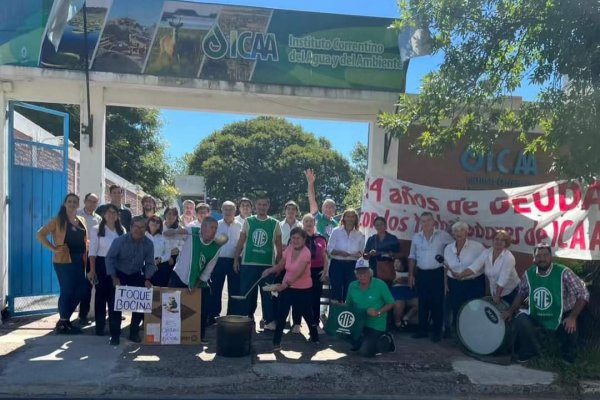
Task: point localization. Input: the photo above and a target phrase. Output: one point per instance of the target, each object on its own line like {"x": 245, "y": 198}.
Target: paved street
{"x": 35, "y": 362}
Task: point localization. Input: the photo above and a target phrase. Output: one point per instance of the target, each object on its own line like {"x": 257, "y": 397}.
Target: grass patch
{"x": 587, "y": 365}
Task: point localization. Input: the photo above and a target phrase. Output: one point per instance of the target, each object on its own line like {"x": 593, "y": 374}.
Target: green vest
{"x": 202, "y": 255}
{"x": 259, "y": 249}
{"x": 545, "y": 296}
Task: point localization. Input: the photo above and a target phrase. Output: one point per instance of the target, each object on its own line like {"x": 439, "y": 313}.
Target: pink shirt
{"x": 320, "y": 248}
{"x": 293, "y": 266}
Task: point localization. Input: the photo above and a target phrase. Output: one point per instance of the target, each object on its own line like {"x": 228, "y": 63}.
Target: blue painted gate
{"x": 37, "y": 176}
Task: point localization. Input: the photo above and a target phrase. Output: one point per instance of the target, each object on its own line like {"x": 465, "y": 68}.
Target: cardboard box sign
{"x": 175, "y": 317}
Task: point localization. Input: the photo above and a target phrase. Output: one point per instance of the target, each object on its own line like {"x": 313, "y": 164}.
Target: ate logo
{"x": 202, "y": 261}
{"x": 345, "y": 319}
{"x": 542, "y": 298}
{"x": 259, "y": 237}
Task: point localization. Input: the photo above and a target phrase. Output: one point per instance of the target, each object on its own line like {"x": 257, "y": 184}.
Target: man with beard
{"x": 556, "y": 298}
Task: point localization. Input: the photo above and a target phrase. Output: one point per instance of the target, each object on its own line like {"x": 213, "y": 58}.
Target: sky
{"x": 184, "y": 129}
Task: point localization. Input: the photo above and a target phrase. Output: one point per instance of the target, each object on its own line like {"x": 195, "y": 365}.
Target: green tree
{"x": 134, "y": 147}
{"x": 360, "y": 156}
{"x": 268, "y": 155}
{"x": 490, "y": 48}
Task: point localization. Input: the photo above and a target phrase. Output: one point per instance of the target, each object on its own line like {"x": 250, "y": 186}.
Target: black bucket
{"x": 234, "y": 336}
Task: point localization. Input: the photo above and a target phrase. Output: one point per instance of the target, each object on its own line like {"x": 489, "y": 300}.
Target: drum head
{"x": 480, "y": 327}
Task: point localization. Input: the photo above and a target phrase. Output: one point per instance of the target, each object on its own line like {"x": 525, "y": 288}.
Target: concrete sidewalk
{"x": 36, "y": 362}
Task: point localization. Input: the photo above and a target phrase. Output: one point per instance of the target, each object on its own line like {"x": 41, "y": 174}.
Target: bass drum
{"x": 480, "y": 326}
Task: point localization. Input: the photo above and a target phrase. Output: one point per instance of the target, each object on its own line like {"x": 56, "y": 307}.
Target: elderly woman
{"x": 498, "y": 264}
{"x": 295, "y": 290}
{"x": 382, "y": 247}
{"x": 319, "y": 269}
{"x": 458, "y": 257}
{"x": 372, "y": 296}
{"x": 345, "y": 246}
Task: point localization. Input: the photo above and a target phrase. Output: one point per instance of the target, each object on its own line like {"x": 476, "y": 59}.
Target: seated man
{"x": 556, "y": 297}
{"x": 372, "y": 296}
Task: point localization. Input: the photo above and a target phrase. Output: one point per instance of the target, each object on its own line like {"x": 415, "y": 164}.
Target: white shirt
{"x": 351, "y": 243}
{"x": 232, "y": 231}
{"x": 99, "y": 245}
{"x": 286, "y": 229}
{"x": 175, "y": 241}
{"x": 186, "y": 221}
{"x": 161, "y": 250}
{"x": 459, "y": 262}
{"x": 501, "y": 272}
{"x": 423, "y": 251}
{"x": 194, "y": 224}
{"x": 240, "y": 219}
{"x": 91, "y": 220}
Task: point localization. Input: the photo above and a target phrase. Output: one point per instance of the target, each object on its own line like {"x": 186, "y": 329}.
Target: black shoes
{"x": 114, "y": 341}
{"x": 392, "y": 344}
{"x": 135, "y": 338}
{"x": 66, "y": 328}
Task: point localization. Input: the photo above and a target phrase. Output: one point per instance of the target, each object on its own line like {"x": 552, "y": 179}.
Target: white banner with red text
{"x": 564, "y": 214}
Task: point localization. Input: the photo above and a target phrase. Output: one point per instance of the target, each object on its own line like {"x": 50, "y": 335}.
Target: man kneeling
{"x": 556, "y": 297}
{"x": 373, "y": 296}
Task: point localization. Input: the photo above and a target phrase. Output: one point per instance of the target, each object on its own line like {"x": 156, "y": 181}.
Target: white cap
{"x": 361, "y": 263}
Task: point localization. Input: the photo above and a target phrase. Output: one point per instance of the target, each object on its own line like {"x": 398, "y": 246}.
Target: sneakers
{"x": 296, "y": 329}
{"x": 320, "y": 330}
{"x": 271, "y": 326}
